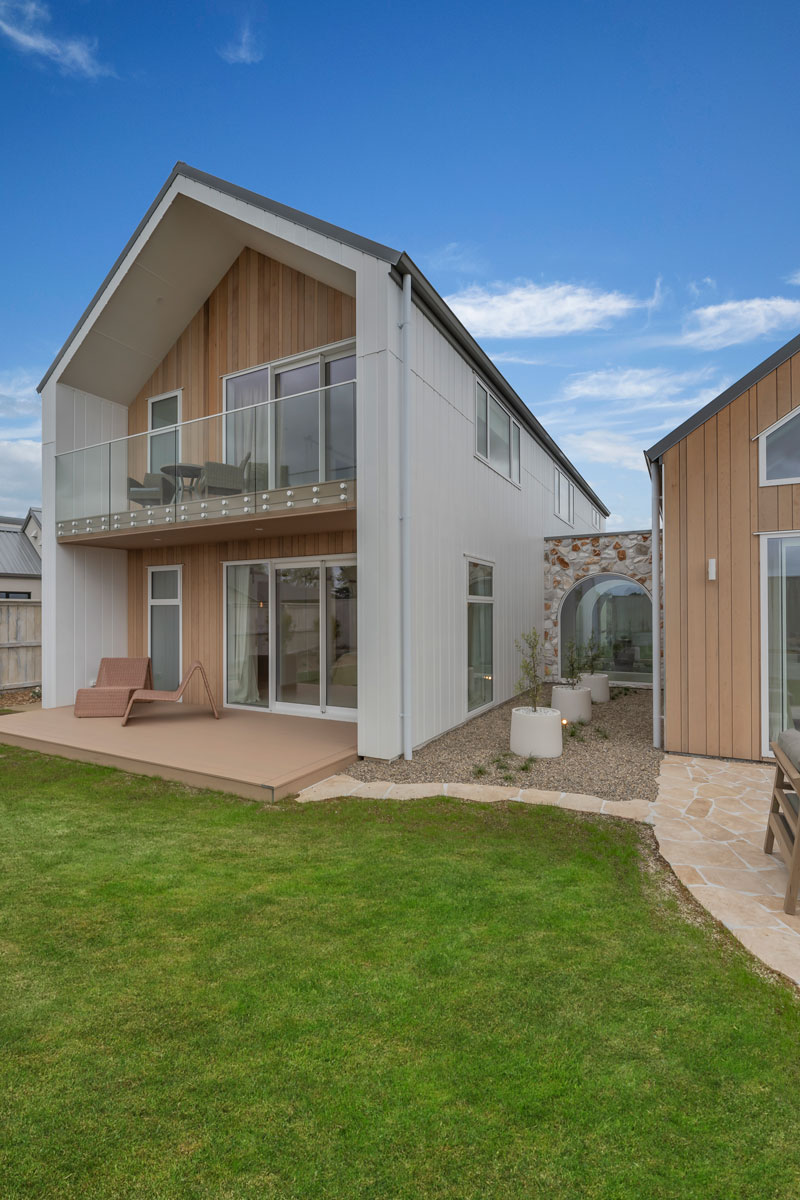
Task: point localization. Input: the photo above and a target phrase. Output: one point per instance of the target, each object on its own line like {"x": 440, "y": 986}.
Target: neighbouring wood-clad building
{"x": 729, "y": 479}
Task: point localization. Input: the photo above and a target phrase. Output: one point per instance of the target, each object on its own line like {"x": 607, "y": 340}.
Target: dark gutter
{"x": 457, "y": 333}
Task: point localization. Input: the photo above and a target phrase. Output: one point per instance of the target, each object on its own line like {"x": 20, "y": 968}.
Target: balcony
{"x": 267, "y": 461}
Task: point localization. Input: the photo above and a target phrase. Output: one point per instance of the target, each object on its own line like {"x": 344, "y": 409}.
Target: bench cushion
{"x": 789, "y": 742}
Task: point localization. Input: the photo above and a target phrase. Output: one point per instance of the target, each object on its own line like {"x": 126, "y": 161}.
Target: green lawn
{"x": 204, "y": 998}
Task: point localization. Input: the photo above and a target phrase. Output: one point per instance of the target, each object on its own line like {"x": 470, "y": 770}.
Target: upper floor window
{"x": 497, "y": 437}
{"x": 308, "y": 432}
{"x": 595, "y": 517}
{"x": 564, "y": 498}
{"x": 779, "y": 451}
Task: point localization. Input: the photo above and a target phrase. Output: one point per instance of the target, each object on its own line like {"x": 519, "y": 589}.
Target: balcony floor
{"x": 262, "y": 756}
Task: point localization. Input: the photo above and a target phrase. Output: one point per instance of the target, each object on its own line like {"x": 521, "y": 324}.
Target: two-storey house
{"x": 270, "y": 445}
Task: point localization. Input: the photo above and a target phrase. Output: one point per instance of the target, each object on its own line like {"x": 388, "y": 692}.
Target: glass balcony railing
{"x": 296, "y": 452}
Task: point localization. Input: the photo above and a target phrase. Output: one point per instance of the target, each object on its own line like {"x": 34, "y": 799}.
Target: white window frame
{"x": 324, "y": 711}
{"x": 151, "y": 604}
{"x": 151, "y": 433}
{"x": 762, "y": 451}
{"x": 558, "y": 478}
{"x": 513, "y": 423}
{"x": 764, "y": 630}
{"x": 321, "y": 354}
{"x": 596, "y": 519}
{"x": 483, "y": 562}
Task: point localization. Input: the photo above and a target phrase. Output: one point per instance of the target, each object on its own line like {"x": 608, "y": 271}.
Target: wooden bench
{"x": 783, "y": 821}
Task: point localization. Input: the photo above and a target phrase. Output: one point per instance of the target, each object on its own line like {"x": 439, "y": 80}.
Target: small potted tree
{"x": 597, "y": 682}
{"x": 573, "y": 701}
{"x": 535, "y": 731}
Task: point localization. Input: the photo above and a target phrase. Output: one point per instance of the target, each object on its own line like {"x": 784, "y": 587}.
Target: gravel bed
{"x": 612, "y": 757}
{"x": 20, "y": 696}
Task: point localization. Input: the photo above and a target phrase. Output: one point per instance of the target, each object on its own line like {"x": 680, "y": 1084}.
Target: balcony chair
{"x": 147, "y": 694}
{"x": 223, "y": 479}
{"x": 117, "y": 678}
{"x": 154, "y": 489}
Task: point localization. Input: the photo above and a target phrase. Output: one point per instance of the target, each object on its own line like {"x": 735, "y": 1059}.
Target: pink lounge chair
{"x": 149, "y": 694}
{"x": 116, "y": 679}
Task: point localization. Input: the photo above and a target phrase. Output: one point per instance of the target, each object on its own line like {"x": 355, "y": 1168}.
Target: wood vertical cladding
{"x": 713, "y": 508}
{"x": 260, "y": 310}
{"x": 202, "y": 591}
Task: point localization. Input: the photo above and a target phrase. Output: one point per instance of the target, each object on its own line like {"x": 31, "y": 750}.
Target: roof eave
{"x": 183, "y": 170}
{"x": 656, "y": 452}
{"x": 428, "y": 293}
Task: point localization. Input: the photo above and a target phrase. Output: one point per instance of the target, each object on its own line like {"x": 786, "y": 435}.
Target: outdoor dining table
{"x": 186, "y": 476}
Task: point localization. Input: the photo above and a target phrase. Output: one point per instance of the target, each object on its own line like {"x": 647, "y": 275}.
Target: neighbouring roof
{"x": 20, "y": 521}
{"x": 17, "y": 554}
{"x": 723, "y": 399}
{"x": 424, "y": 293}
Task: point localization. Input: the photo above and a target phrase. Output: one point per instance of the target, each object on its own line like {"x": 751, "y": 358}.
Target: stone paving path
{"x": 485, "y": 793}
{"x": 709, "y": 820}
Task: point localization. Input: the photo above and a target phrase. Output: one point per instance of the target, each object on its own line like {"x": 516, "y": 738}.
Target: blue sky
{"x": 607, "y": 193}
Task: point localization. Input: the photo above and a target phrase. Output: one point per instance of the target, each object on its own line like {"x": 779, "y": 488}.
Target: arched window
{"x": 619, "y": 612}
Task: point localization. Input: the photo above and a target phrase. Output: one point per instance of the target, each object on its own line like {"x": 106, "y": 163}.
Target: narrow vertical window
{"x": 480, "y": 635}
{"x": 164, "y": 626}
{"x": 499, "y": 437}
{"x": 515, "y": 471}
{"x": 481, "y": 418}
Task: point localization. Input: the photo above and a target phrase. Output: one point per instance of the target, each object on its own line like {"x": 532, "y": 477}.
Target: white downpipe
{"x": 405, "y": 523}
{"x": 655, "y": 517}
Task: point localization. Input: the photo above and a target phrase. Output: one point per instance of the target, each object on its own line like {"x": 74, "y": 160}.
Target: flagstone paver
{"x": 709, "y": 819}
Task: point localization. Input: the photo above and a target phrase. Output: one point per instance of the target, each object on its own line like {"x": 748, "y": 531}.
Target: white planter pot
{"x": 598, "y": 686}
{"x": 536, "y": 732}
{"x": 574, "y": 704}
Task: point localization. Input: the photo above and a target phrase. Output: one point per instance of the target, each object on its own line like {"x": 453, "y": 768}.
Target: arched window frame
{"x": 597, "y": 575}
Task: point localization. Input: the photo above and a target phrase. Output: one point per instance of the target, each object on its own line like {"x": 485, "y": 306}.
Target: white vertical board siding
{"x": 84, "y": 589}
{"x": 461, "y": 509}
{"x": 378, "y": 546}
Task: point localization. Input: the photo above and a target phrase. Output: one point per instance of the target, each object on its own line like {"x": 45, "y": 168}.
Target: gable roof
{"x": 425, "y": 296}
{"x": 17, "y": 554}
{"x": 723, "y": 399}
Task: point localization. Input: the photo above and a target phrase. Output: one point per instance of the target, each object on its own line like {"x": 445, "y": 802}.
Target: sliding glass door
{"x": 291, "y": 636}
{"x": 780, "y": 567}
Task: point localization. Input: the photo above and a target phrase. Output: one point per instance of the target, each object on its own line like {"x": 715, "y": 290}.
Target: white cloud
{"x": 457, "y": 257}
{"x": 606, "y": 447}
{"x": 529, "y": 310}
{"x": 738, "y": 321}
{"x": 20, "y": 475}
{"x": 634, "y": 389}
{"x": 18, "y": 398}
{"x": 794, "y": 278}
{"x": 22, "y": 23}
{"x": 245, "y": 49}
{"x": 510, "y": 357}
{"x": 696, "y": 286}
{"x": 20, "y": 445}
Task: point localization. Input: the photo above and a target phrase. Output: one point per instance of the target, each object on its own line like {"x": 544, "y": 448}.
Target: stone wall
{"x": 569, "y": 559}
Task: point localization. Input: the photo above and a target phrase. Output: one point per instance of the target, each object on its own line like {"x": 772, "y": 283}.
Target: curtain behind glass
{"x": 342, "y": 605}
{"x": 247, "y": 651}
{"x": 247, "y": 431}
